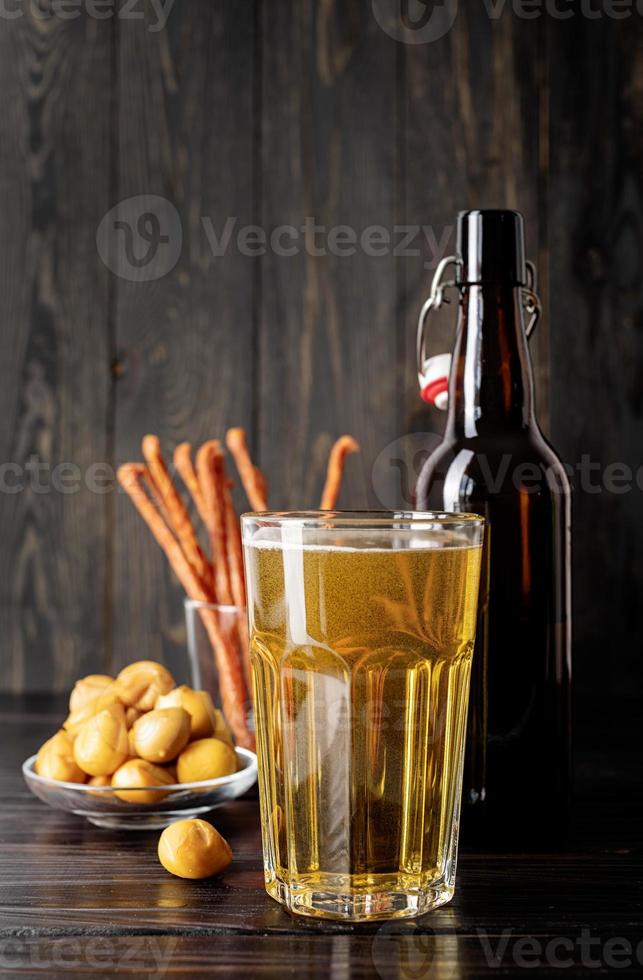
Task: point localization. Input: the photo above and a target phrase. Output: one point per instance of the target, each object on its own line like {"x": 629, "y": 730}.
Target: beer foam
{"x": 292, "y": 537}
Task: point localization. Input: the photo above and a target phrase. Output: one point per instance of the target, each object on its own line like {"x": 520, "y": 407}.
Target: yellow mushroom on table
{"x": 138, "y": 733}
{"x": 76, "y": 719}
{"x": 159, "y": 735}
{"x": 100, "y": 781}
{"x": 132, "y": 780}
{"x": 55, "y": 759}
{"x": 193, "y": 849}
{"x": 207, "y": 758}
{"x": 198, "y": 704}
{"x": 139, "y": 684}
{"x": 87, "y": 689}
{"x": 101, "y": 745}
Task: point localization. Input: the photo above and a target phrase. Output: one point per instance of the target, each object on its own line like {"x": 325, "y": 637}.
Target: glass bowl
{"x": 101, "y": 806}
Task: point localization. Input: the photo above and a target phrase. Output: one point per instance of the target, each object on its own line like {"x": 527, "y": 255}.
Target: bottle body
{"x": 517, "y": 766}
{"x": 494, "y": 461}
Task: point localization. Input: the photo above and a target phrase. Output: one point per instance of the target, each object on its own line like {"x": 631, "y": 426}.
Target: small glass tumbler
{"x": 362, "y": 628}
{"x": 232, "y": 627}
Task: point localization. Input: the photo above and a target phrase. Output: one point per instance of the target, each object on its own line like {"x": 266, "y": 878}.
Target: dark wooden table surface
{"x": 78, "y": 901}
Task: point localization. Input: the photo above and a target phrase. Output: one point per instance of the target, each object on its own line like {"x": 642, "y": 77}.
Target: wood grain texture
{"x": 390, "y": 957}
{"x": 595, "y": 215}
{"x": 327, "y": 337}
{"x": 185, "y": 340}
{"x": 54, "y": 173}
{"x": 79, "y": 898}
{"x": 268, "y": 114}
{"x": 474, "y": 102}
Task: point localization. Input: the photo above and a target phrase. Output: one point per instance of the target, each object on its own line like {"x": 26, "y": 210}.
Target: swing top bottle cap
{"x": 491, "y": 247}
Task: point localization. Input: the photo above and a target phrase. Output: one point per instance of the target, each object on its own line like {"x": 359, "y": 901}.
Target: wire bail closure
{"x": 530, "y": 301}
{"x": 434, "y": 302}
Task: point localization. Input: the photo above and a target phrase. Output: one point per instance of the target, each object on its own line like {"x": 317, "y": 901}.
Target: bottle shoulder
{"x": 525, "y": 444}
{"x": 493, "y": 464}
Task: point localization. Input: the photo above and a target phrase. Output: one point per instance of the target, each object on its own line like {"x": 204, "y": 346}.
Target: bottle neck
{"x": 491, "y": 386}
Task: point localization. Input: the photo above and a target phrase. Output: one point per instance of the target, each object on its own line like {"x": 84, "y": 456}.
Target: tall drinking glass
{"x": 362, "y": 629}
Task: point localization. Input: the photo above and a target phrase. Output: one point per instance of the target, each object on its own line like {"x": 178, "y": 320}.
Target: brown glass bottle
{"x": 494, "y": 461}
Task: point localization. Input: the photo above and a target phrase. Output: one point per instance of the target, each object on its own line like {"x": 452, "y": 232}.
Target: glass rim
{"x": 249, "y": 757}
{"x": 220, "y": 607}
{"x": 367, "y": 519}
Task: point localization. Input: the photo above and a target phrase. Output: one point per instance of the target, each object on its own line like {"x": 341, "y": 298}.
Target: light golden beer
{"x": 361, "y": 644}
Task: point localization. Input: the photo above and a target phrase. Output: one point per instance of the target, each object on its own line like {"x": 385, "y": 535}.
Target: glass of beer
{"x": 362, "y": 628}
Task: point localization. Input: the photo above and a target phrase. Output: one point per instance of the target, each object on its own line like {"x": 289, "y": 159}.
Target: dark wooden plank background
{"x": 54, "y": 342}
{"x": 266, "y": 115}
{"x": 185, "y": 342}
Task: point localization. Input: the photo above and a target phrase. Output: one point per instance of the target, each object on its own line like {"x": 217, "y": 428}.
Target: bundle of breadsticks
{"x": 219, "y": 577}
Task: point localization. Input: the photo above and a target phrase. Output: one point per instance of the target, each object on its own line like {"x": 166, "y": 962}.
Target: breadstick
{"x": 131, "y": 477}
{"x": 153, "y": 491}
{"x": 232, "y": 688}
{"x": 251, "y": 477}
{"x": 185, "y": 469}
{"x": 177, "y": 513}
{"x": 226, "y": 540}
{"x": 336, "y": 460}
{"x": 209, "y": 468}
{"x": 231, "y": 680}
{"x": 262, "y": 486}
{"x": 237, "y": 580}
{"x": 233, "y": 547}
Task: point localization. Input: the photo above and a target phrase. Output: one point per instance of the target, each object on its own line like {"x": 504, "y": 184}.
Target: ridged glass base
{"x": 331, "y": 903}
